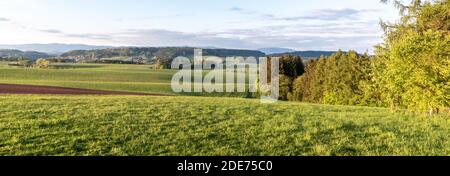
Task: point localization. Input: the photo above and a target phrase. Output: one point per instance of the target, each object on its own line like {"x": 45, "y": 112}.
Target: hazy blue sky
{"x": 247, "y": 24}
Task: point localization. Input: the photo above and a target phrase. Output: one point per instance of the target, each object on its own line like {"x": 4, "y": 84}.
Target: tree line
{"x": 410, "y": 69}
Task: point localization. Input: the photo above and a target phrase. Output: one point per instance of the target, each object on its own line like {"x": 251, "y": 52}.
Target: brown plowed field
{"x": 31, "y": 89}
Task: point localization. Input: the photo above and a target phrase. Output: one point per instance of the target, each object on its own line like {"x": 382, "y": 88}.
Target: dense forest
{"x": 411, "y": 68}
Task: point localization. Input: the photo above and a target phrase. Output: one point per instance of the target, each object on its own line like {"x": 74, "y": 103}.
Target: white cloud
{"x": 244, "y": 25}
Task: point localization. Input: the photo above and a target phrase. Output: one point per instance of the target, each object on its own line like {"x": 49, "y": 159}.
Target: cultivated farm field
{"x": 109, "y": 77}
{"x": 132, "y": 78}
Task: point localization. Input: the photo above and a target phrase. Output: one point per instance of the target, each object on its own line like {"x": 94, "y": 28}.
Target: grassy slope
{"x": 116, "y": 77}
{"x": 134, "y": 78}
{"x": 127, "y": 125}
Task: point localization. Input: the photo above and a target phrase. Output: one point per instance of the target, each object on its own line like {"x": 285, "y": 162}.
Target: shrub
{"x": 21, "y": 63}
{"x": 42, "y": 63}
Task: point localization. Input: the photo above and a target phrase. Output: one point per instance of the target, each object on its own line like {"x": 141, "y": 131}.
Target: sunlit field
{"x": 114, "y": 77}
{"x": 133, "y": 125}
{"x": 133, "y": 78}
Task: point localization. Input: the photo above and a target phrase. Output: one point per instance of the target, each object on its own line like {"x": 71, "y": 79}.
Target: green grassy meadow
{"x": 189, "y": 125}
{"x": 132, "y": 125}
{"x": 114, "y": 77}
{"x": 132, "y": 78}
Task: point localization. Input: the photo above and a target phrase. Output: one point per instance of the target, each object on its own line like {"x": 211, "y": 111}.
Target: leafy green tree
{"x": 285, "y": 87}
{"x": 302, "y": 87}
{"x": 291, "y": 66}
{"x": 333, "y": 80}
{"x": 415, "y": 57}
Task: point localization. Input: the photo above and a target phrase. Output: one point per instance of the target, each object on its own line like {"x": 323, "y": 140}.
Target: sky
{"x": 238, "y": 24}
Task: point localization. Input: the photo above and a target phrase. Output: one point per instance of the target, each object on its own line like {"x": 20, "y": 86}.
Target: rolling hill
{"x": 275, "y": 50}
{"x": 33, "y": 55}
{"x": 165, "y": 53}
{"x": 90, "y": 52}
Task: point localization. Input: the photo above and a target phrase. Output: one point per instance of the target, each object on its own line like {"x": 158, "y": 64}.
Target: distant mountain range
{"x": 307, "y": 54}
{"x": 269, "y": 51}
{"x": 53, "y": 48}
{"x": 303, "y": 54}
{"x": 33, "y": 55}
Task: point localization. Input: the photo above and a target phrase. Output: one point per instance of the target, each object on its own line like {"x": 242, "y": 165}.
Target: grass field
{"x": 115, "y": 77}
{"x": 180, "y": 125}
{"x": 133, "y": 78}
{"x": 130, "y": 125}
